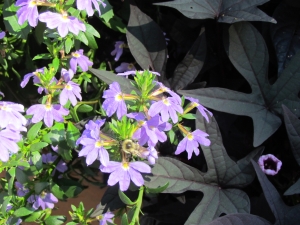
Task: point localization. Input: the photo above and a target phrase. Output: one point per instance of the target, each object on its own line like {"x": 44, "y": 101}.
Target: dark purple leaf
{"x": 146, "y": 41}
{"x": 227, "y": 11}
{"x": 248, "y": 53}
{"x": 217, "y": 184}
{"x": 284, "y": 214}
{"x": 189, "y": 68}
{"x": 240, "y": 219}
{"x": 286, "y": 34}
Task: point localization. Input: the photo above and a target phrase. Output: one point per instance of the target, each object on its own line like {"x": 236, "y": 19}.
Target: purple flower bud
{"x": 2, "y": 35}
{"x": 269, "y": 164}
{"x": 118, "y": 51}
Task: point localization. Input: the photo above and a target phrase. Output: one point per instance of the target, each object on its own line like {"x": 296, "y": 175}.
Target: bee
{"x": 131, "y": 147}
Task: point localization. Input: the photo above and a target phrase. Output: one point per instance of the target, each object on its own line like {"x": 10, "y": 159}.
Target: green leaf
{"x": 38, "y": 146}
{"x": 55, "y": 220}
{"x": 81, "y": 37}
{"x": 124, "y": 219}
{"x": 21, "y": 176}
{"x": 34, "y": 216}
{"x": 40, "y": 186}
{"x": 158, "y": 189}
{"x": 37, "y": 160}
{"x": 240, "y": 219}
{"x": 284, "y": 214}
{"x": 248, "y": 53}
{"x": 222, "y": 172}
{"x": 229, "y": 11}
{"x": 91, "y": 30}
{"x": 23, "y": 212}
{"x": 148, "y": 52}
{"x": 11, "y": 21}
{"x": 33, "y": 131}
{"x": 91, "y": 41}
{"x": 68, "y": 45}
{"x": 42, "y": 56}
{"x": 124, "y": 198}
{"x": 84, "y": 108}
{"x": 72, "y": 135}
{"x": 189, "y": 116}
{"x": 189, "y": 68}
{"x": 111, "y": 20}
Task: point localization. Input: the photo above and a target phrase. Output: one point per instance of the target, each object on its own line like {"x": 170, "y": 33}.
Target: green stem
{"x": 135, "y": 218}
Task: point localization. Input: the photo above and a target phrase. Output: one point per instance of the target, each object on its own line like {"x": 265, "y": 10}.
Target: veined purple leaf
{"x": 248, "y": 53}
{"x": 229, "y": 11}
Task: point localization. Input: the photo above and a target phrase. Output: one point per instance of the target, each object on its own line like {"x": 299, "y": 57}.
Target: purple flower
{"x": 269, "y": 164}
{"x": 87, "y": 5}
{"x": 191, "y": 142}
{"x": 70, "y": 92}
{"x": 125, "y": 67}
{"x": 114, "y": 101}
{"x": 118, "y": 51}
{"x": 44, "y": 200}
{"x": 123, "y": 172}
{"x": 62, "y": 22}
{"x": 106, "y": 217}
{"x": 49, "y": 159}
{"x": 152, "y": 131}
{"x": 89, "y": 127}
{"x": 48, "y": 113}
{"x": 2, "y": 34}
{"x": 167, "y": 107}
{"x": 151, "y": 155}
{"x": 8, "y": 139}
{"x": 93, "y": 148}
{"x": 201, "y": 108}
{"x": 162, "y": 88}
{"x": 28, "y": 11}
{"x": 79, "y": 58}
{"x": 67, "y": 75}
{"x": 36, "y": 79}
{"x": 1, "y": 93}
{"x": 21, "y": 190}
{"x": 10, "y": 114}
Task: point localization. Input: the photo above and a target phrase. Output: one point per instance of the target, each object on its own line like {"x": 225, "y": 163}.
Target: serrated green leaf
{"x": 230, "y": 11}
{"x": 55, "y": 220}
{"x": 33, "y": 131}
{"x": 38, "y": 146}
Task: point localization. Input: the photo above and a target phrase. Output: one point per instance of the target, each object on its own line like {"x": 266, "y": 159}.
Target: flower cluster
{"x": 11, "y": 124}
{"x": 64, "y": 23}
{"x": 139, "y": 131}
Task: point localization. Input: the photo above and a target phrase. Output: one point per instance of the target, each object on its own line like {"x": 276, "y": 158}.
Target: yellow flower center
{"x": 130, "y": 66}
{"x": 5, "y": 108}
{"x": 98, "y": 144}
{"x": 32, "y": 3}
{"x": 68, "y": 87}
{"x": 190, "y": 136}
{"x": 65, "y": 16}
{"x": 195, "y": 104}
{"x": 48, "y": 107}
{"x": 125, "y": 165}
{"x": 119, "y": 97}
{"x": 75, "y": 54}
{"x": 166, "y": 101}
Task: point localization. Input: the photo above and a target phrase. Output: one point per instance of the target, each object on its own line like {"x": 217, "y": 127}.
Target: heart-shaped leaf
{"x": 239, "y": 219}
{"x": 285, "y": 34}
{"x": 248, "y": 53}
{"x": 146, "y": 41}
{"x": 217, "y": 184}
{"x": 284, "y": 214}
{"x": 189, "y": 68}
{"x": 226, "y": 11}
